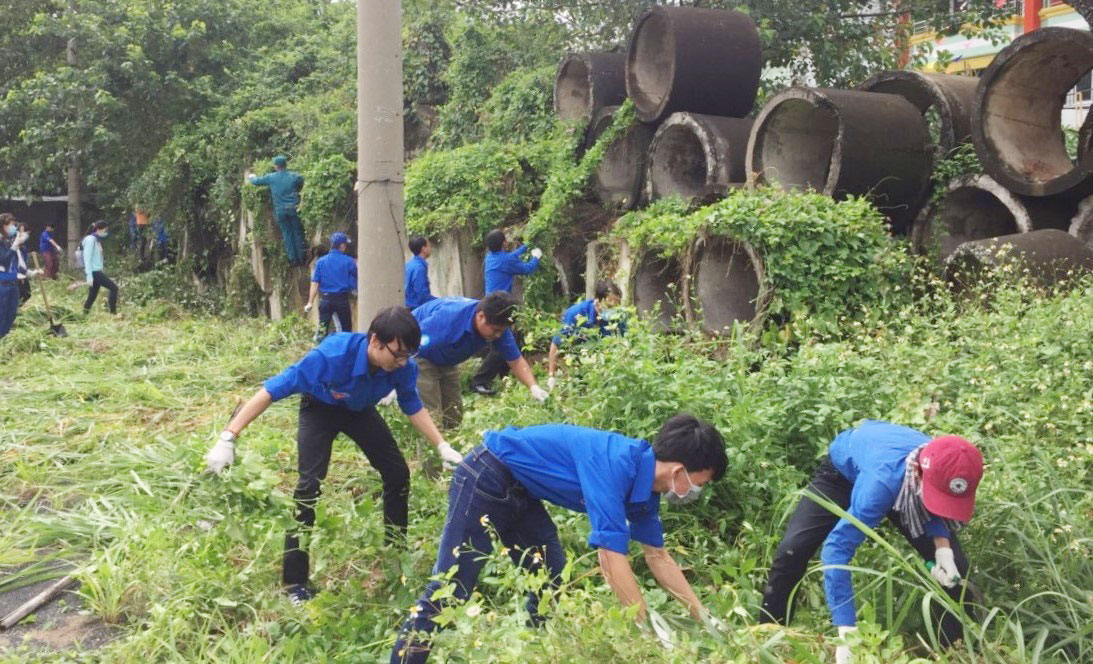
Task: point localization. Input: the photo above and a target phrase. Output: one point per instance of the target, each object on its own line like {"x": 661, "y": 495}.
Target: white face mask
{"x": 688, "y": 496}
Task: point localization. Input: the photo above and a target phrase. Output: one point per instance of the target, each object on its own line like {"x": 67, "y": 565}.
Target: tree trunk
{"x": 73, "y": 211}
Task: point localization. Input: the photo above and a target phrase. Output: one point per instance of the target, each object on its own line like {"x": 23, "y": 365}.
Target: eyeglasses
{"x": 400, "y": 355}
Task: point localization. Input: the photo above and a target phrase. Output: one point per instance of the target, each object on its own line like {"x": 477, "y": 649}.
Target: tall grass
{"x": 102, "y": 433}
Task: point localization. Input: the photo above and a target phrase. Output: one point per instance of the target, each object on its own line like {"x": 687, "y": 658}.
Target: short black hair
{"x": 49, "y": 225}
{"x": 396, "y": 323}
{"x": 417, "y": 243}
{"x": 605, "y": 288}
{"x": 693, "y": 442}
{"x": 495, "y": 239}
{"x": 499, "y": 307}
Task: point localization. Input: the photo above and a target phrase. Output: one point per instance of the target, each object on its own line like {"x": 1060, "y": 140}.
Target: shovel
{"x": 56, "y": 329}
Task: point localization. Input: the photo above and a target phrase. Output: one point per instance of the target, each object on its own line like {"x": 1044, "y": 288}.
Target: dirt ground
{"x": 60, "y": 624}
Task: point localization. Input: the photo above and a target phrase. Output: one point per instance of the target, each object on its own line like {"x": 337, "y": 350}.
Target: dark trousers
{"x": 24, "y": 290}
{"x": 482, "y": 485}
{"x": 100, "y": 280}
{"x": 494, "y": 364}
{"x": 809, "y": 527}
{"x": 334, "y": 313}
{"x": 320, "y": 424}
{"x": 51, "y": 263}
{"x": 9, "y": 305}
{"x": 292, "y": 234}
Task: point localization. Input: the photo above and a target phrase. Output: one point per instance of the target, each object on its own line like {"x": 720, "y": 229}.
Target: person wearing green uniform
{"x": 284, "y": 188}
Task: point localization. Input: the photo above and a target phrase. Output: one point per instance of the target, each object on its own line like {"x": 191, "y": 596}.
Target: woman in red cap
{"x": 925, "y": 487}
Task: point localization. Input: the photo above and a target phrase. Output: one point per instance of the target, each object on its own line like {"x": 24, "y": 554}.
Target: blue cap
{"x": 280, "y": 160}
{"x": 339, "y": 238}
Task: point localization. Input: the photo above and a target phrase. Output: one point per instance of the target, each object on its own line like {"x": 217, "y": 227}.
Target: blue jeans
{"x": 9, "y": 305}
{"x": 292, "y": 233}
{"x": 482, "y": 485}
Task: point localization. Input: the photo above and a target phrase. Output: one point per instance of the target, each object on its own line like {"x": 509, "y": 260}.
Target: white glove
{"x": 944, "y": 570}
{"x": 20, "y": 238}
{"x": 536, "y": 253}
{"x": 552, "y": 383}
{"x": 307, "y": 308}
{"x": 91, "y": 281}
{"x": 35, "y": 273}
{"x": 842, "y": 653}
{"x": 449, "y": 455}
{"x": 222, "y": 453}
{"x": 389, "y": 399}
{"x": 538, "y": 393}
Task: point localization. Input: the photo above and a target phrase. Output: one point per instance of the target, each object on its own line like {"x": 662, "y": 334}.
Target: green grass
{"x": 102, "y": 434}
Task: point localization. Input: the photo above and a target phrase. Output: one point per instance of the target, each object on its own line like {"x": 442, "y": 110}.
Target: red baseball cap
{"x": 951, "y": 470}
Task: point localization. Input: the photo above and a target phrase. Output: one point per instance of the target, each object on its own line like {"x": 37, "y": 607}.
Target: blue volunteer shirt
{"x": 335, "y": 273}
{"x": 284, "y": 188}
{"x": 336, "y": 372}
{"x": 873, "y": 457}
{"x": 503, "y": 266}
{"x": 605, "y": 474}
{"x": 416, "y": 284}
{"x": 583, "y": 316}
{"x": 9, "y": 261}
{"x": 45, "y": 243}
{"x": 448, "y": 336}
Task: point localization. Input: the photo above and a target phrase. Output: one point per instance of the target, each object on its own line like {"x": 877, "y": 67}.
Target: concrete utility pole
{"x": 73, "y": 210}
{"x": 380, "y": 229}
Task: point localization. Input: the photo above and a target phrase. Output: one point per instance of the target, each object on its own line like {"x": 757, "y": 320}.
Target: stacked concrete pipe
{"x": 621, "y": 174}
{"x": 729, "y": 285}
{"x": 657, "y": 288}
{"x": 697, "y": 60}
{"x": 845, "y": 142}
{"x": 1019, "y": 103}
{"x": 949, "y": 98}
{"x": 695, "y": 156}
{"x": 587, "y": 82}
{"x": 975, "y": 207}
{"x": 1049, "y": 256}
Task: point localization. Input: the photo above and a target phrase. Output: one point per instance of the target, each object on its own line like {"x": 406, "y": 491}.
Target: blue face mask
{"x": 13, "y": 231}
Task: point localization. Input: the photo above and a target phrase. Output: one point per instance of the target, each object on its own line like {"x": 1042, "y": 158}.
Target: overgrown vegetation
{"x": 103, "y": 434}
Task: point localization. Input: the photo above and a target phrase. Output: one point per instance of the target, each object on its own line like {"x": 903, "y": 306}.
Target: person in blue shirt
{"x": 340, "y": 381}
{"x": 453, "y": 329}
{"x": 417, "y": 273}
{"x": 11, "y": 267}
{"x": 501, "y": 269}
{"x": 91, "y": 247}
{"x": 925, "y": 487}
{"x": 284, "y": 188}
{"x": 616, "y": 480}
{"x": 50, "y": 252}
{"x": 159, "y": 227}
{"x": 335, "y": 276}
{"x": 585, "y": 316}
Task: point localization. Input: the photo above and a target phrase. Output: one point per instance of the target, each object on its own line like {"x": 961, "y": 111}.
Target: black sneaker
{"x": 299, "y": 593}
{"x": 484, "y": 390}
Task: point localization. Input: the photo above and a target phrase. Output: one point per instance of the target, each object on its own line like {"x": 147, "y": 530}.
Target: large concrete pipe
{"x": 1081, "y": 226}
{"x": 1049, "y": 256}
{"x": 975, "y": 207}
{"x": 696, "y": 60}
{"x": 728, "y": 285}
{"x": 946, "y": 100}
{"x": 845, "y": 142}
{"x": 695, "y": 156}
{"x": 657, "y": 288}
{"x": 1085, "y": 136}
{"x": 1019, "y": 105}
{"x": 587, "y": 82}
{"x": 620, "y": 175}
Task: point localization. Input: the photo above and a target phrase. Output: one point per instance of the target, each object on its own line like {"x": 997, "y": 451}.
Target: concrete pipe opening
{"x": 794, "y": 145}
{"x": 657, "y": 290}
{"x": 1019, "y": 104}
{"x": 587, "y": 82}
{"x": 693, "y": 59}
{"x": 727, "y": 285}
{"x": 697, "y": 156}
{"x": 945, "y": 100}
{"x": 620, "y": 176}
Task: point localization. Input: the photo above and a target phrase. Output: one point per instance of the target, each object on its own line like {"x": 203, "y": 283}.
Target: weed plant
{"x": 102, "y": 434}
